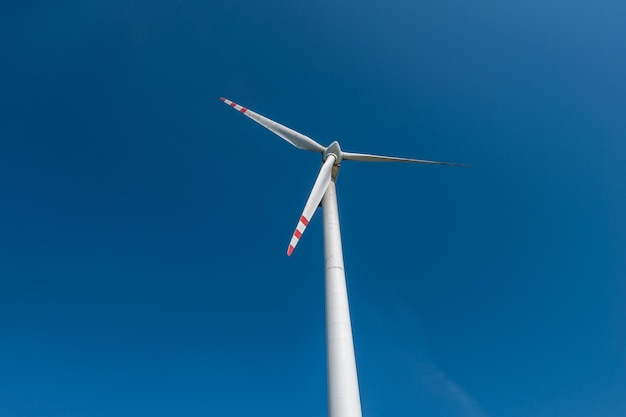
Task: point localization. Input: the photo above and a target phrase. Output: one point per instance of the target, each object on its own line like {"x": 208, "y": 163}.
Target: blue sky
{"x": 143, "y": 224}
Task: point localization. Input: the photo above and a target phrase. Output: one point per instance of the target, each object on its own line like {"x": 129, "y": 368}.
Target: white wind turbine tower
{"x": 343, "y": 385}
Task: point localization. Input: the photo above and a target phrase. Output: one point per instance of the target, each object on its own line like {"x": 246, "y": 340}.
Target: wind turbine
{"x": 343, "y": 385}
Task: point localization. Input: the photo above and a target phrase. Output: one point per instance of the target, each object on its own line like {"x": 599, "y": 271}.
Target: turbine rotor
{"x": 332, "y": 156}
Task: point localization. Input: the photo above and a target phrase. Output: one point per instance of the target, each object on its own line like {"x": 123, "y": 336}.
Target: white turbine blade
{"x": 363, "y": 157}
{"x": 319, "y": 188}
{"x": 296, "y": 139}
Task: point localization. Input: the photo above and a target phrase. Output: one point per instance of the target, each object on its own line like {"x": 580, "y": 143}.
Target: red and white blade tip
{"x": 234, "y": 105}
{"x": 297, "y": 234}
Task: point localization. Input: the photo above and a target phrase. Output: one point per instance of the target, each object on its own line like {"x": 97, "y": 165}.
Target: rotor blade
{"x": 363, "y": 157}
{"x": 296, "y": 139}
{"x": 319, "y": 188}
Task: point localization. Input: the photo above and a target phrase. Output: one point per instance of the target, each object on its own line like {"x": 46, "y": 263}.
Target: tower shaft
{"x": 343, "y": 385}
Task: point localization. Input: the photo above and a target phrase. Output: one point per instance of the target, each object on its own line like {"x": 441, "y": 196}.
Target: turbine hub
{"x": 334, "y": 149}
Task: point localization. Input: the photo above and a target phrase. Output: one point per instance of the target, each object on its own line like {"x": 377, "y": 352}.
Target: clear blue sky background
{"x": 143, "y": 224}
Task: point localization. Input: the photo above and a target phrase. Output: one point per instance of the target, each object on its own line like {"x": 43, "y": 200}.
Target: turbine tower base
{"x": 343, "y": 386}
